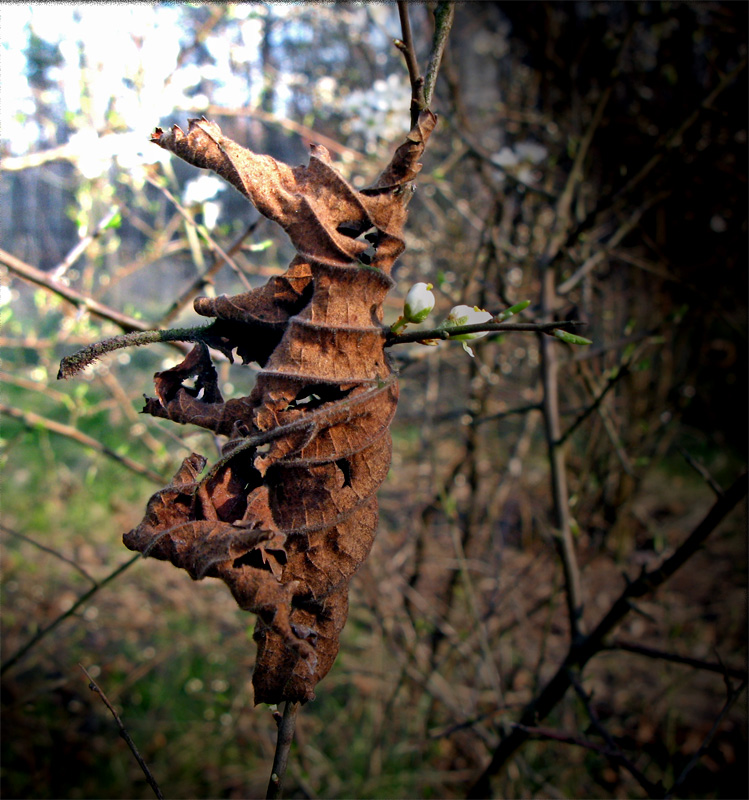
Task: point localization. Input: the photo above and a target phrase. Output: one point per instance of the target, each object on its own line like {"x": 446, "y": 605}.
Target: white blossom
{"x": 465, "y": 315}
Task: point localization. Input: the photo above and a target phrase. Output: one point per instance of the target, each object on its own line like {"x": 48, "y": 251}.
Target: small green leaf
{"x": 260, "y": 246}
{"x": 115, "y": 222}
{"x": 509, "y": 312}
{"x": 571, "y": 338}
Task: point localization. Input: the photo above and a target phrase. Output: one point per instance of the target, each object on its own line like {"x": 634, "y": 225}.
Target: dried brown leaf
{"x": 289, "y": 512}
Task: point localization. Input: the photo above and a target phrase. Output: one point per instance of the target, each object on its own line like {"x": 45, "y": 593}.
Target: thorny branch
{"x": 733, "y": 696}
{"x": 590, "y": 645}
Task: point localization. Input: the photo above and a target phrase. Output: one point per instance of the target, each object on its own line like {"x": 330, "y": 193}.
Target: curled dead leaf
{"x": 289, "y": 512}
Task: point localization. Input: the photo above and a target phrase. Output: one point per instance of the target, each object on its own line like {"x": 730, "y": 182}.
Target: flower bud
{"x": 419, "y": 302}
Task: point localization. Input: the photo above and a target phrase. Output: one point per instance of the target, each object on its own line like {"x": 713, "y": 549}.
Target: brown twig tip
{"x": 123, "y": 732}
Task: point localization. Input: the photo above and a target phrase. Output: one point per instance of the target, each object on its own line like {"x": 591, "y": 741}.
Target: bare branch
{"x": 40, "y": 546}
{"x": 579, "y": 654}
{"x": 406, "y": 46}
{"x": 615, "y": 753}
{"x": 36, "y": 276}
{"x": 286, "y": 727}
{"x": 480, "y": 327}
{"x": 612, "y": 753}
{"x": 675, "y": 658}
{"x": 82, "y": 600}
{"x": 33, "y": 421}
{"x": 125, "y": 735}
{"x": 443, "y": 21}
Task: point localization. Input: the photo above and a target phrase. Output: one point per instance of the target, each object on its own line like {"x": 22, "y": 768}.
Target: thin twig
{"x": 201, "y": 280}
{"x": 733, "y": 696}
{"x": 286, "y": 727}
{"x": 702, "y": 470}
{"x": 406, "y": 46}
{"x": 84, "y": 598}
{"x": 605, "y": 252}
{"x": 33, "y": 421}
{"x": 610, "y": 383}
{"x": 675, "y": 658}
{"x": 661, "y": 150}
{"x": 480, "y": 327}
{"x": 443, "y": 22}
{"x": 202, "y": 231}
{"x": 124, "y": 734}
{"x": 85, "y": 241}
{"x": 40, "y": 546}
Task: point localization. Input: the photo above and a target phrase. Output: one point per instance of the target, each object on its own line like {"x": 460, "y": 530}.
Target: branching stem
{"x": 581, "y": 652}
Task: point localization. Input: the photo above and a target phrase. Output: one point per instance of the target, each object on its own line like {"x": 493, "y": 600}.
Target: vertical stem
{"x": 443, "y": 20}
{"x": 407, "y": 48}
{"x": 560, "y": 496}
{"x": 283, "y": 745}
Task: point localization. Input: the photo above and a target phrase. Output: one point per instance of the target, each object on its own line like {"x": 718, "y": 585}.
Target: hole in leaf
{"x": 255, "y": 559}
{"x": 316, "y": 395}
{"x": 354, "y": 228}
{"x": 344, "y": 465}
{"x": 361, "y": 229}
